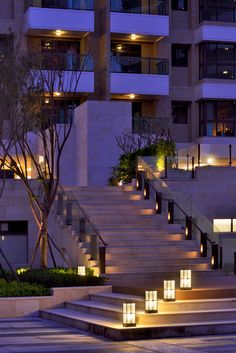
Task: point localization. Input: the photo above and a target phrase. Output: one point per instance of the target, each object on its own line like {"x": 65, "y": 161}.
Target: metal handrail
{"x": 180, "y": 208}
{"x": 86, "y": 216}
{"x": 150, "y": 171}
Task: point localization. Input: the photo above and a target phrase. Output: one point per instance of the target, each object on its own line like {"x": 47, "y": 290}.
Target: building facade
{"x": 142, "y": 61}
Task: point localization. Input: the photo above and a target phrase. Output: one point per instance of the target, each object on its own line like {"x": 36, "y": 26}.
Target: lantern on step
{"x": 169, "y": 291}
{"x": 81, "y": 271}
{"x": 151, "y": 304}
{"x": 129, "y": 315}
{"x": 185, "y": 279}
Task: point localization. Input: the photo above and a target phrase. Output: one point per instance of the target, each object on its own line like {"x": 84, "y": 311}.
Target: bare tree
{"x": 34, "y": 90}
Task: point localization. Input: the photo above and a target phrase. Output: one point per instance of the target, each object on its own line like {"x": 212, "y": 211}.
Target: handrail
{"x": 180, "y": 208}
{"x": 86, "y": 216}
{"x": 150, "y": 171}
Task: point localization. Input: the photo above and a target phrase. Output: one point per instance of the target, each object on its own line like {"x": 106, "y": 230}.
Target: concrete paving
{"x": 36, "y": 335}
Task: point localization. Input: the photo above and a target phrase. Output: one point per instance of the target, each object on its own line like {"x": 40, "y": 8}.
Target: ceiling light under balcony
{"x": 57, "y": 94}
{"x": 225, "y": 72}
{"x": 132, "y": 96}
{"x": 119, "y": 47}
{"x": 133, "y": 36}
{"x": 58, "y": 32}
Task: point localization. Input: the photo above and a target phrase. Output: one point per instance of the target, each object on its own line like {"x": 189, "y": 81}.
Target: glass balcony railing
{"x": 145, "y": 125}
{"x": 64, "y": 61}
{"x": 61, "y": 4}
{"x": 139, "y": 65}
{"x": 153, "y": 7}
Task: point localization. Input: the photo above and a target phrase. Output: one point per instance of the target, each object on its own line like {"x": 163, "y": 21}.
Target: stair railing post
{"x": 102, "y": 259}
{"x": 214, "y": 256}
{"x": 230, "y": 155}
{"x": 82, "y": 228}
{"x": 60, "y": 203}
{"x": 146, "y": 189}
{"x": 170, "y": 215}
{"x": 203, "y": 245}
{"x": 193, "y": 169}
{"x": 166, "y": 167}
{"x": 69, "y": 212}
{"x": 188, "y": 228}
{"x": 139, "y": 180}
{"x": 158, "y": 203}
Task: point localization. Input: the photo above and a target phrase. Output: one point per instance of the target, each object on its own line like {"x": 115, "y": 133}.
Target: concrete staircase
{"x": 102, "y": 314}
{"x": 140, "y": 242}
{"x": 143, "y": 250}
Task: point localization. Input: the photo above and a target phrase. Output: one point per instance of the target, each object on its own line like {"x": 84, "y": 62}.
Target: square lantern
{"x": 151, "y": 304}
{"x": 185, "y": 279}
{"x": 169, "y": 291}
{"x": 81, "y": 271}
{"x": 129, "y": 316}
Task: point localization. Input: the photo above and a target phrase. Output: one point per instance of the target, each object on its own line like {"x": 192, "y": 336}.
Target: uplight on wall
{"x": 81, "y": 270}
{"x": 169, "y": 290}
{"x": 151, "y": 303}
{"x": 129, "y": 315}
{"x": 185, "y": 279}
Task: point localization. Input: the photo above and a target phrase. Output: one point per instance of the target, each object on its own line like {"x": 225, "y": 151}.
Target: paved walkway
{"x": 37, "y": 335}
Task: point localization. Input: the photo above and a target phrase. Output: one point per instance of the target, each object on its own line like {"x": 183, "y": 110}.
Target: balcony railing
{"x": 139, "y": 65}
{"x": 221, "y": 11}
{"x": 153, "y": 7}
{"x": 61, "y": 4}
{"x": 146, "y": 125}
{"x": 65, "y": 61}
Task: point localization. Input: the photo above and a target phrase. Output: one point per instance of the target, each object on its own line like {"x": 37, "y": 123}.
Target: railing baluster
{"x": 188, "y": 229}
{"x": 214, "y": 256}
{"x": 102, "y": 259}
{"x": 203, "y": 245}
{"x": 170, "y": 215}
{"x": 158, "y": 203}
{"x": 146, "y": 190}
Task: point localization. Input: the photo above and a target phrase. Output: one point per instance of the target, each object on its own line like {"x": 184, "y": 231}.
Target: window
{"x": 179, "y": 5}
{"x": 180, "y": 112}
{"x": 217, "y": 60}
{"x": 217, "y": 10}
{"x": 217, "y": 118}
{"x": 180, "y": 55}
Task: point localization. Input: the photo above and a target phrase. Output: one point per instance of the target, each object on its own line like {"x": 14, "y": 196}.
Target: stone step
{"x": 150, "y": 255}
{"x": 145, "y": 236}
{"x": 152, "y": 242}
{"x": 113, "y": 329}
{"x": 155, "y": 269}
{"x": 161, "y": 249}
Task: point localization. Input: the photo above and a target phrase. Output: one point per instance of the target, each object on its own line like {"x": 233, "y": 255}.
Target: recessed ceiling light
{"x": 225, "y": 72}
{"x": 58, "y": 32}
{"x": 131, "y": 96}
{"x": 57, "y": 94}
{"x": 133, "y": 36}
{"x": 119, "y": 47}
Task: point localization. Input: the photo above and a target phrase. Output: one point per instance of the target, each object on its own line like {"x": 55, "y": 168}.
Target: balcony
{"x": 139, "y": 75}
{"x": 143, "y": 17}
{"x": 49, "y": 16}
{"x": 72, "y": 65}
{"x": 145, "y": 125}
{"x": 217, "y": 11}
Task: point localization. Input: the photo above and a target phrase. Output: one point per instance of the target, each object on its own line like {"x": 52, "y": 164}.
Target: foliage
{"x": 59, "y": 278}
{"x": 21, "y": 289}
{"x": 125, "y": 171}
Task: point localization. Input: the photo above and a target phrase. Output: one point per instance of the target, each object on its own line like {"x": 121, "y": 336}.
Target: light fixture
{"x": 185, "y": 279}
{"x": 119, "y": 47}
{"x": 46, "y": 101}
{"x": 133, "y": 36}
{"x": 129, "y": 317}
{"x": 201, "y": 249}
{"x": 131, "y": 96}
{"x": 41, "y": 159}
{"x": 57, "y": 94}
{"x": 58, "y": 32}
{"x": 151, "y": 304}
{"x": 225, "y": 72}
{"x": 209, "y": 160}
{"x": 169, "y": 291}
{"x": 81, "y": 270}
{"x": 212, "y": 261}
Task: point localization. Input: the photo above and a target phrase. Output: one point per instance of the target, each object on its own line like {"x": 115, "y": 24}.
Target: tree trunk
{"x": 44, "y": 241}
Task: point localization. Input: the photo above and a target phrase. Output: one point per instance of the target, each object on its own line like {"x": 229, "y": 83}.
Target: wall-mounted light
{"x": 46, "y": 100}
{"x": 81, "y": 271}
{"x": 129, "y": 316}
{"x": 185, "y": 279}
{"x": 169, "y": 290}
{"x": 151, "y": 304}
{"x": 119, "y": 47}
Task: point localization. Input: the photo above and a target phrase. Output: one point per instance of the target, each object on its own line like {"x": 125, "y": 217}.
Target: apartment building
{"x": 142, "y": 60}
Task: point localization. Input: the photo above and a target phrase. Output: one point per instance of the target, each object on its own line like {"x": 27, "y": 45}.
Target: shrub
{"x": 21, "y": 289}
{"x": 126, "y": 170}
{"x": 59, "y": 278}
